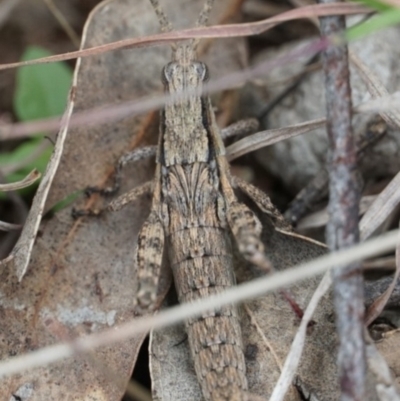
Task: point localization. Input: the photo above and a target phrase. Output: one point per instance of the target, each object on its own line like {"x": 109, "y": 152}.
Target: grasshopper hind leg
{"x": 264, "y": 203}
{"x": 148, "y": 261}
{"x": 246, "y": 229}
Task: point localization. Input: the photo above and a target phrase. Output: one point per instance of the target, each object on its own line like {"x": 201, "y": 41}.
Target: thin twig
{"x": 6, "y": 8}
{"x": 58, "y": 15}
{"x": 342, "y": 230}
{"x": 33, "y": 176}
{"x": 4, "y": 226}
{"x": 217, "y": 31}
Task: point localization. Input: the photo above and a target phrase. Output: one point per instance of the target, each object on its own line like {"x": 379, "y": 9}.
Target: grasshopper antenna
{"x": 165, "y": 24}
{"x": 203, "y": 19}
{"x": 205, "y": 13}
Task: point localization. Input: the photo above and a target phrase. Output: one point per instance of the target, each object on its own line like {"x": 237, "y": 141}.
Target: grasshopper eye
{"x": 167, "y": 73}
{"x": 202, "y": 70}
{"x": 206, "y": 76}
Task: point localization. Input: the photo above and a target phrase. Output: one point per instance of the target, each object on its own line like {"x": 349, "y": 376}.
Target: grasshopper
{"x": 197, "y": 219}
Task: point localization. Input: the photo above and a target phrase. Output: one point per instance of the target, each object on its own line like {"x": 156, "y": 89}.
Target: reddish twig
{"x": 342, "y": 230}
{"x": 217, "y": 31}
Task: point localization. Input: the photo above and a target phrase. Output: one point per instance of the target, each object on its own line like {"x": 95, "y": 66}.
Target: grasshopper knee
{"x": 246, "y": 229}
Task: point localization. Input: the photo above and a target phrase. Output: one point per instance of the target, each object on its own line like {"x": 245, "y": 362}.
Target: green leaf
{"x": 380, "y": 21}
{"x": 377, "y": 5}
{"x": 23, "y": 152}
{"x": 68, "y": 200}
{"x": 41, "y": 90}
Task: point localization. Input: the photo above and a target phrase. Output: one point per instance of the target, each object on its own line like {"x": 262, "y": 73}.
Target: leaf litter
{"x": 70, "y": 318}
{"x": 171, "y": 316}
